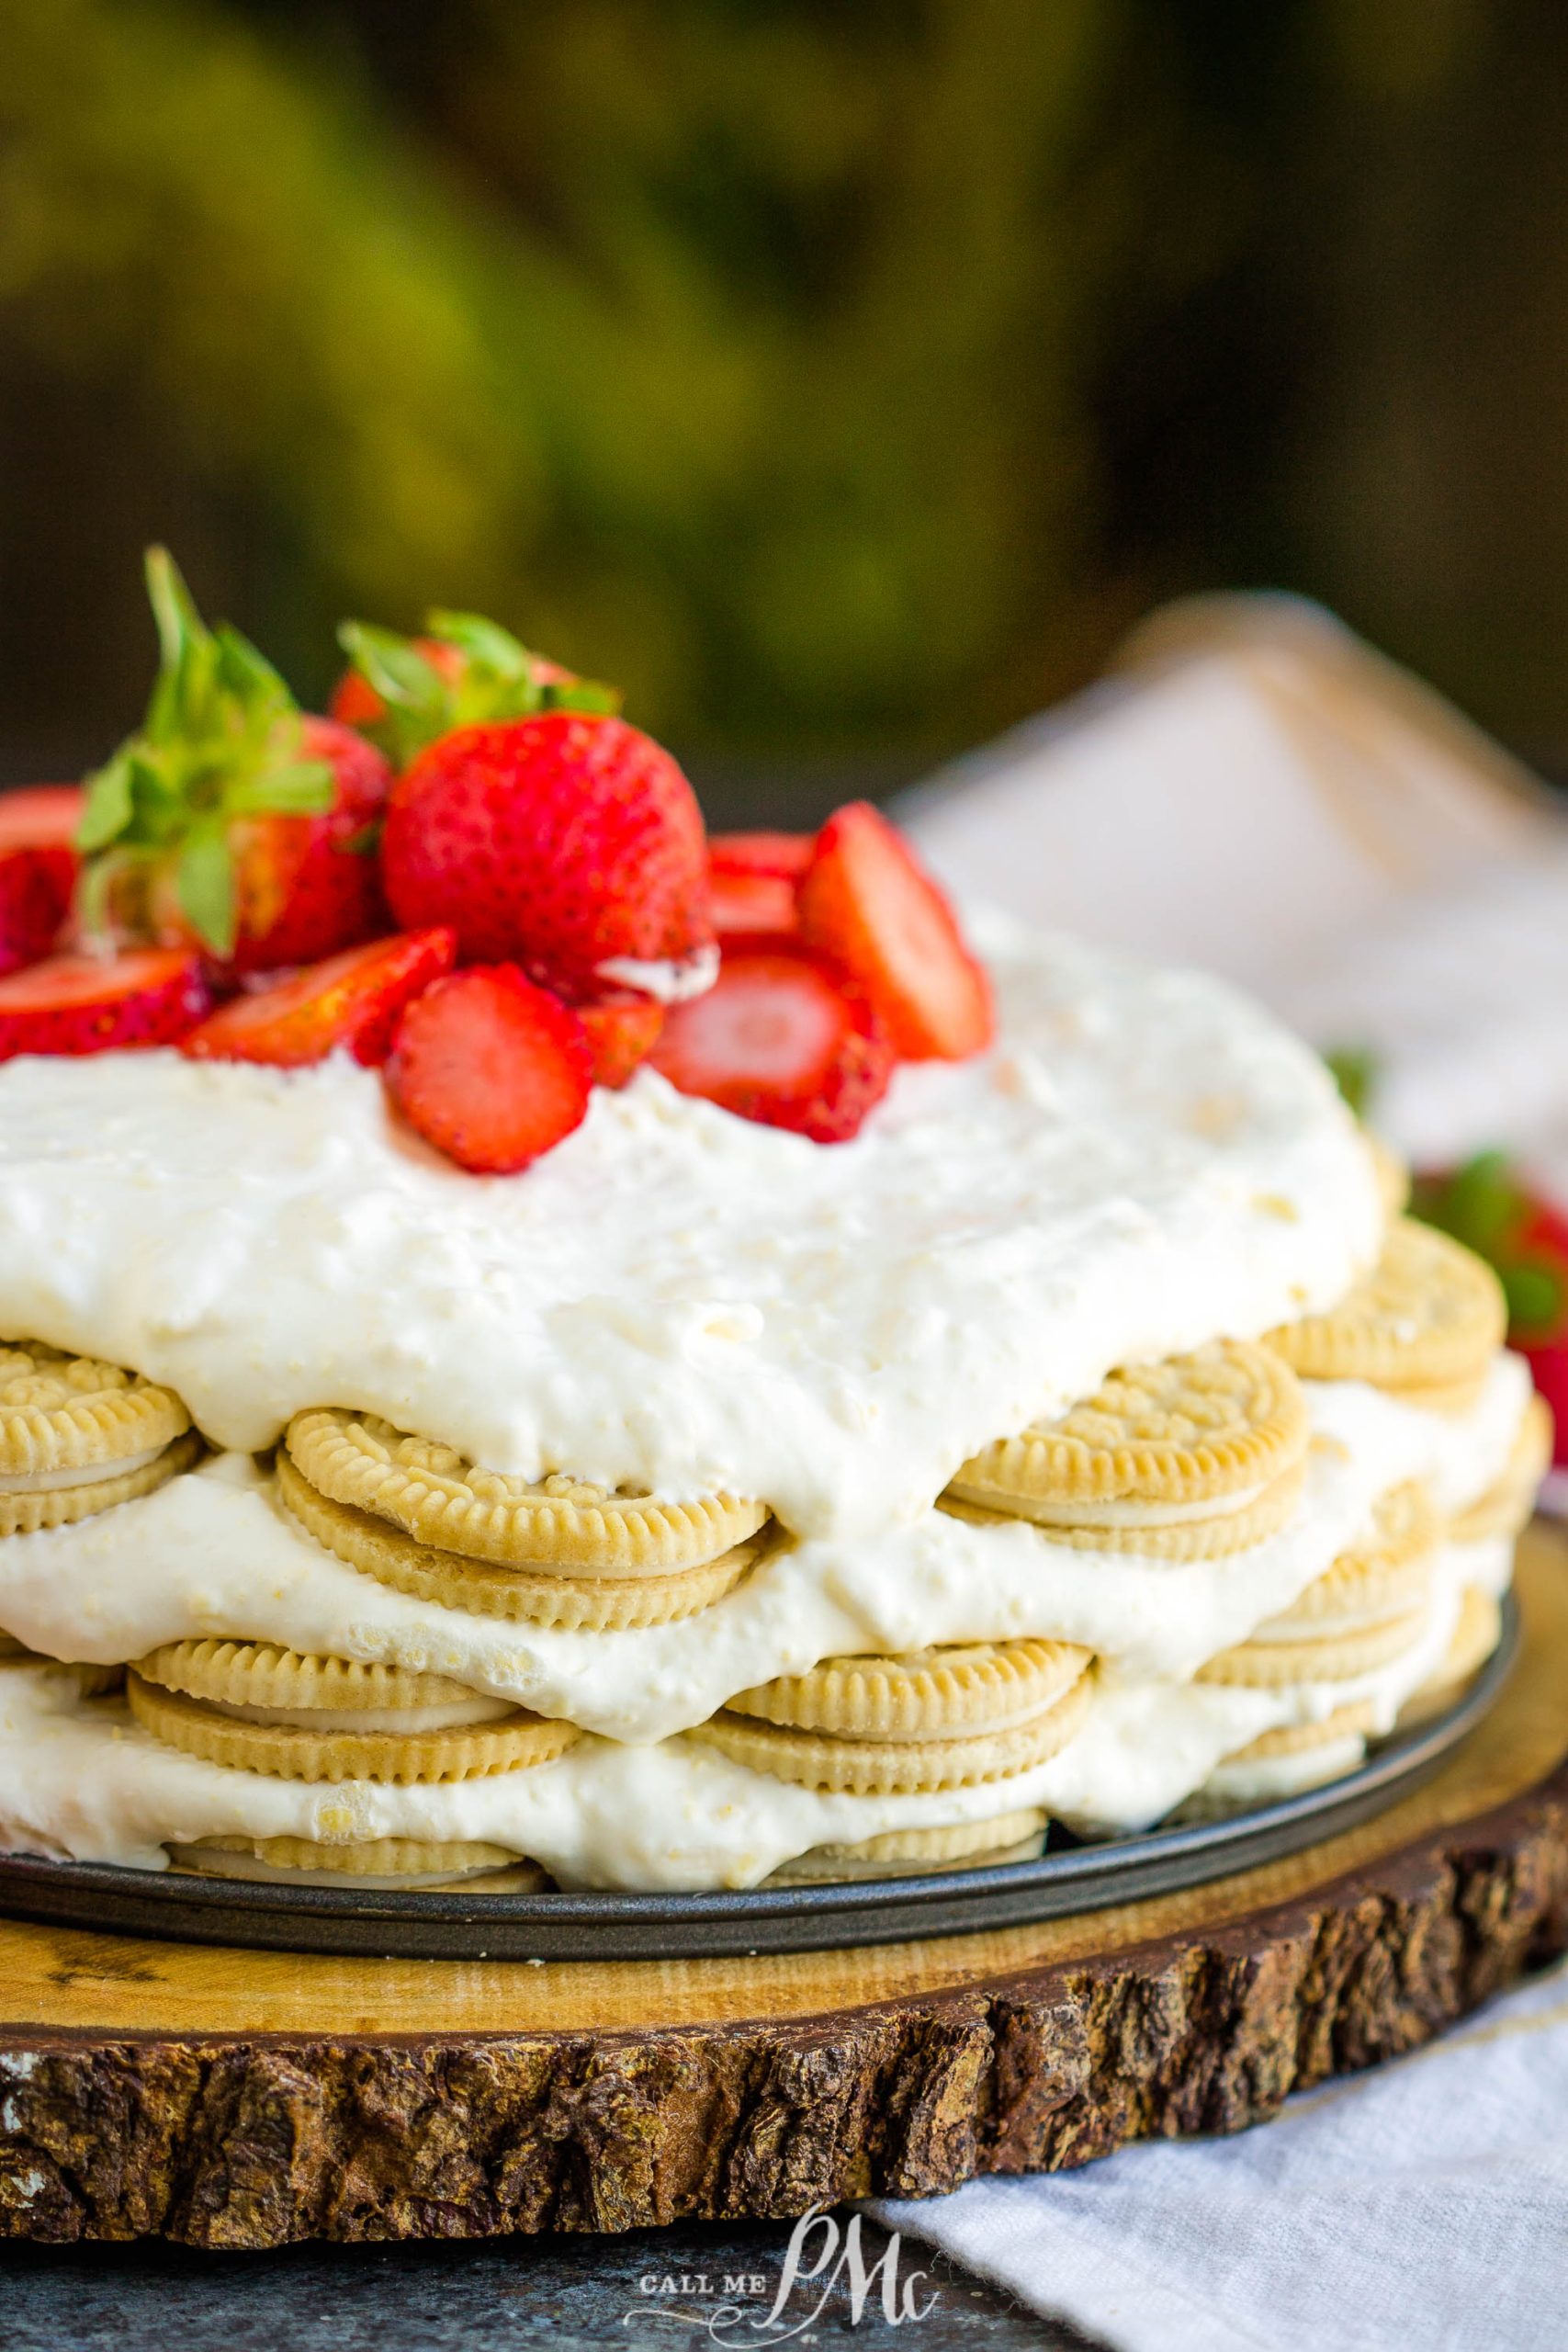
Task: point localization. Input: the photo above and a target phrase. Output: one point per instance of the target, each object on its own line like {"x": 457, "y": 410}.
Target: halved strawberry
{"x": 86, "y": 1004}
{"x": 42, "y": 816}
{"x": 869, "y": 907}
{"x": 351, "y": 1000}
{"x": 621, "y": 1033}
{"x": 35, "y": 898}
{"x": 490, "y": 1068}
{"x": 780, "y": 1040}
{"x": 751, "y": 907}
{"x": 787, "y": 855}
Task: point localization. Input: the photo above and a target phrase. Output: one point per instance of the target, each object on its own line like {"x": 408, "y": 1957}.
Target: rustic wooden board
{"x": 246, "y": 2098}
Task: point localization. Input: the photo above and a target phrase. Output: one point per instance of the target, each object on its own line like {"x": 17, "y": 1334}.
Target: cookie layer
{"x": 888, "y": 1768}
{"x": 25, "y": 1512}
{"x": 558, "y": 1524}
{"x": 1430, "y": 1314}
{"x": 571, "y": 1604}
{"x": 61, "y": 1413}
{"x": 295, "y": 1752}
{"x": 1155, "y": 1443}
{"x": 927, "y": 1694}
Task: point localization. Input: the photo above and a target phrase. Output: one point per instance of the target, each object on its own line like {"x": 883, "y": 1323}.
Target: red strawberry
{"x": 569, "y": 843}
{"x": 490, "y": 1069}
{"x": 779, "y": 1040}
{"x": 84, "y": 1004}
{"x": 406, "y": 691}
{"x": 42, "y": 816}
{"x": 1548, "y": 1361}
{"x": 35, "y": 898}
{"x": 621, "y": 1033}
{"x": 749, "y": 908}
{"x": 869, "y": 907}
{"x": 352, "y": 1000}
{"x": 787, "y": 855}
{"x": 232, "y": 819}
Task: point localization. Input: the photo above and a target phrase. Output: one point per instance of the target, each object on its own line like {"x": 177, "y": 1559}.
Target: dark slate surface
{"x": 652, "y": 2288}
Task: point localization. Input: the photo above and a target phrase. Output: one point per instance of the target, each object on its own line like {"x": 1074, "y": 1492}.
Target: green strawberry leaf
{"x": 223, "y": 740}
{"x": 205, "y": 879}
{"x": 305, "y": 789}
{"x": 1354, "y": 1070}
{"x": 1537, "y": 1296}
{"x": 498, "y": 678}
{"x": 108, "y": 807}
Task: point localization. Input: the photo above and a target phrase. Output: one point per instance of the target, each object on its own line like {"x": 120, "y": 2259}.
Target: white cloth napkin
{"x": 1423, "y": 2208}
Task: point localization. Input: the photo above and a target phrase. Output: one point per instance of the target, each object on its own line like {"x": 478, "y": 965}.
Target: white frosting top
{"x": 675, "y": 1300}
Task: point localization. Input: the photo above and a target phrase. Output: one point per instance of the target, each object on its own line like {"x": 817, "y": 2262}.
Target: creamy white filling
{"x": 80, "y": 1781}
{"x": 213, "y": 1554}
{"x": 676, "y": 1299}
{"x": 91, "y": 1474}
{"x": 446, "y": 1717}
{"x": 1125, "y": 1512}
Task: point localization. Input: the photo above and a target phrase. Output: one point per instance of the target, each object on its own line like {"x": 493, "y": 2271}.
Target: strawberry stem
{"x": 222, "y": 741}
{"x": 488, "y": 675}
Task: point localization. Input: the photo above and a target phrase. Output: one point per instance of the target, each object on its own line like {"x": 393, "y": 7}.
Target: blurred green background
{"x": 840, "y": 380}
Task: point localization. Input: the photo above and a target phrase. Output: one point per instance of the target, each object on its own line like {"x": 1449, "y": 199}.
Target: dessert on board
{"x": 540, "y": 1348}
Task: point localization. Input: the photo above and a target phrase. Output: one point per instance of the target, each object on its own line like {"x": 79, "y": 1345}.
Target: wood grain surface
{"x": 245, "y": 2099}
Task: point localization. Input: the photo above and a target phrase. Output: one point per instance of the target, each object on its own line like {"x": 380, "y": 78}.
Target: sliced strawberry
{"x": 351, "y": 1000}
{"x": 787, "y": 855}
{"x": 751, "y": 907}
{"x": 779, "y": 1040}
{"x": 42, "y": 816}
{"x": 35, "y": 898}
{"x": 621, "y": 1033}
{"x": 490, "y": 1068}
{"x": 82, "y": 1005}
{"x": 869, "y": 908}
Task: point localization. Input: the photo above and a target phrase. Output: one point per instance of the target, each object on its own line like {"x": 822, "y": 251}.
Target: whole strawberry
{"x": 232, "y": 821}
{"x": 569, "y": 843}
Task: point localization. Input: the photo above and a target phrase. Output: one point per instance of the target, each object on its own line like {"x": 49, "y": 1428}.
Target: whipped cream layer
{"x": 81, "y": 1781}
{"x": 213, "y": 1553}
{"x": 675, "y": 1300}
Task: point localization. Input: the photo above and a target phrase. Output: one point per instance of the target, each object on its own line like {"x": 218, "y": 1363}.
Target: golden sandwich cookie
{"x": 1284, "y": 1762}
{"x": 582, "y": 1603}
{"x": 1508, "y": 1503}
{"x": 262, "y": 1709}
{"x": 1386, "y": 1575}
{"x": 78, "y": 1436}
{"x": 1426, "y": 1322}
{"x": 1192, "y": 1458}
{"x": 372, "y": 1865}
{"x": 908, "y": 1853}
{"x": 556, "y": 1525}
{"x": 909, "y": 1726}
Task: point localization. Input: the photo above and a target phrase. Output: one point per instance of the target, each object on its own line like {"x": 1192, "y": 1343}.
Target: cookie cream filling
{"x": 676, "y": 1301}
{"x": 88, "y": 1473}
{"x": 439, "y": 1716}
